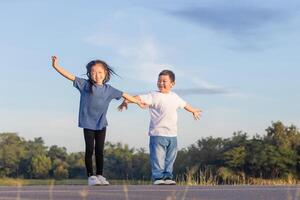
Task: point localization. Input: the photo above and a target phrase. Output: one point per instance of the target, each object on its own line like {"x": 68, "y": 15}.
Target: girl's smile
{"x": 98, "y": 74}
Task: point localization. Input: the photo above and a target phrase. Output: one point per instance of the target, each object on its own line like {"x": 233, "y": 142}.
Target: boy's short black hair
{"x": 168, "y": 73}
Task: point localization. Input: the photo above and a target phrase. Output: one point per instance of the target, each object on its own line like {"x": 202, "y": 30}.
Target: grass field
{"x": 28, "y": 182}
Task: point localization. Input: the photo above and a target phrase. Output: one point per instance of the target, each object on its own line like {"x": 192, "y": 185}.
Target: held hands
{"x": 142, "y": 105}
{"x": 197, "y": 114}
{"x": 124, "y": 105}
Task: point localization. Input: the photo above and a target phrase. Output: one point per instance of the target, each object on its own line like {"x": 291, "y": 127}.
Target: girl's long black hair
{"x": 109, "y": 72}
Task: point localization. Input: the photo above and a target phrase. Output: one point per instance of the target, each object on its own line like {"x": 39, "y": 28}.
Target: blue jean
{"x": 163, "y": 151}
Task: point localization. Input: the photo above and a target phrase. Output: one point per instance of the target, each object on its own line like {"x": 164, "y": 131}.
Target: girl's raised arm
{"x": 61, "y": 70}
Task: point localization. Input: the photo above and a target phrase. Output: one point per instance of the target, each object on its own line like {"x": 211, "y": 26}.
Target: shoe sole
{"x": 170, "y": 184}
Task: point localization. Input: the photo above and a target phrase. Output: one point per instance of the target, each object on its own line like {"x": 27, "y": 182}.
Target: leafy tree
{"x": 60, "y": 169}
{"x": 141, "y": 165}
{"x": 34, "y": 148}
{"x": 118, "y": 160}
{"x": 76, "y": 165}
{"x": 228, "y": 160}
{"x": 41, "y": 165}
{"x": 12, "y": 150}
{"x": 235, "y": 158}
{"x": 58, "y": 156}
{"x": 56, "y": 152}
{"x": 255, "y": 157}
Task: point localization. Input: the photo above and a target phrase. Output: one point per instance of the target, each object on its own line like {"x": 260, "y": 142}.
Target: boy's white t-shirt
{"x": 163, "y": 112}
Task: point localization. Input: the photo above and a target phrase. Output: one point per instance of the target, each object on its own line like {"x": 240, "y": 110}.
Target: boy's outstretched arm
{"x": 125, "y": 103}
{"x": 61, "y": 70}
{"x": 131, "y": 99}
{"x": 196, "y": 112}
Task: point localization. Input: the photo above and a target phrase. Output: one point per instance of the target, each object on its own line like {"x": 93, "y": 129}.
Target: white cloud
{"x": 143, "y": 55}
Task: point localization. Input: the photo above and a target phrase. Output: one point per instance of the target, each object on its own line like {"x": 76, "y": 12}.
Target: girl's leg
{"x": 99, "y": 148}
{"x": 89, "y": 149}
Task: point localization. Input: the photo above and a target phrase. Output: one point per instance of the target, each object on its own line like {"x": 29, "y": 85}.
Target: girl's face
{"x": 164, "y": 83}
{"x": 98, "y": 74}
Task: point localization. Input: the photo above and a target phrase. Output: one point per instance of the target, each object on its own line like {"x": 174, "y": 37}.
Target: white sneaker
{"x": 93, "y": 180}
{"x": 170, "y": 182}
{"x": 159, "y": 182}
{"x": 102, "y": 180}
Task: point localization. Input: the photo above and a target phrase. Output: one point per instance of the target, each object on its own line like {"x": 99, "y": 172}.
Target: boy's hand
{"x": 54, "y": 61}
{"x": 197, "y": 114}
{"x": 123, "y": 105}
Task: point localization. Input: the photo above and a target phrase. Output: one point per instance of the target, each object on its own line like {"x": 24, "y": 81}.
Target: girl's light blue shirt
{"x": 94, "y": 105}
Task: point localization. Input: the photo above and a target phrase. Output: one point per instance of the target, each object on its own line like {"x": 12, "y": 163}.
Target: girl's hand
{"x": 142, "y": 105}
{"x": 122, "y": 106}
{"x": 54, "y": 61}
{"x": 197, "y": 114}
{"x": 61, "y": 70}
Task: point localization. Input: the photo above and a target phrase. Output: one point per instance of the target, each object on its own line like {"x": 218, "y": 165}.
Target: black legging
{"x": 94, "y": 139}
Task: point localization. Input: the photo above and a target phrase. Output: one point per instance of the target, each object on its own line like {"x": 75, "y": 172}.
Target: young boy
{"x": 163, "y": 105}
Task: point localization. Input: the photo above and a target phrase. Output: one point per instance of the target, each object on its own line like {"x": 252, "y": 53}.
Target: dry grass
{"x": 188, "y": 180}
{"x": 28, "y": 182}
{"x": 191, "y": 180}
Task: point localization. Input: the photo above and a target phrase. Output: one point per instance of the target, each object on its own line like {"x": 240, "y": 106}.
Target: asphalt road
{"x": 150, "y": 192}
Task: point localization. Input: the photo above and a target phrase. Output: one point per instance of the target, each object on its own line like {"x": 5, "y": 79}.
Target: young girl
{"x": 95, "y": 96}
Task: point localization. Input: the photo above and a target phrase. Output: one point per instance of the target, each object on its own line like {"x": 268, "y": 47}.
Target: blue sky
{"x": 236, "y": 60}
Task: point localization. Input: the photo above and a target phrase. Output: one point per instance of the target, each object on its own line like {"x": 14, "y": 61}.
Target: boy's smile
{"x": 164, "y": 84}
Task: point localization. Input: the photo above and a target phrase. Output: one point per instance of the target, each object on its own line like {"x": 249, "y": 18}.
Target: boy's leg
{"x": 89, "y": 150}
{"x": 157, "y": 147}
{"x": 171, "y": 154}
{"x": 99, "y": 147}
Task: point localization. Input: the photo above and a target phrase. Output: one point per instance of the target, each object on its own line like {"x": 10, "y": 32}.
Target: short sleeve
{"x": 80, "y": 83}
{"x": 147, "y": 98}
{"x": 115, "y": 93}
{"x": 181, "y": 102}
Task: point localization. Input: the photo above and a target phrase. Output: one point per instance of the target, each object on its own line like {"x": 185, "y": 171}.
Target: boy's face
{"x": 98, "y": 74}
{"x": 164, "y": 83}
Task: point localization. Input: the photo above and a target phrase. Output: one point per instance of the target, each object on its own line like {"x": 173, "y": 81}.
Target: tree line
{"x": 275, "y": 154}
